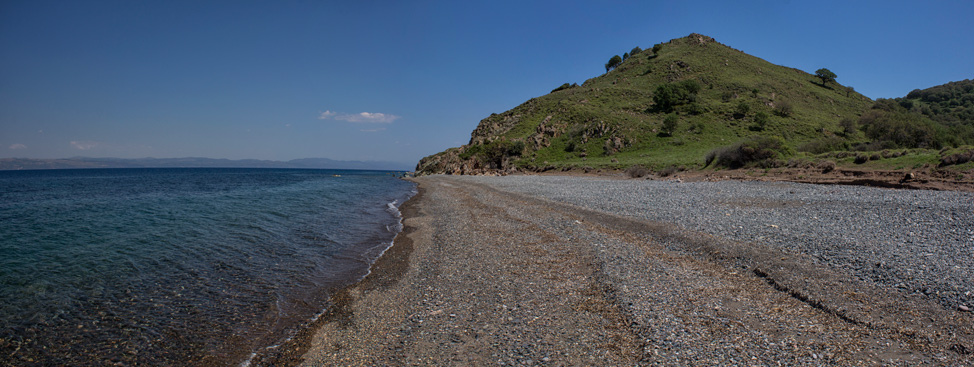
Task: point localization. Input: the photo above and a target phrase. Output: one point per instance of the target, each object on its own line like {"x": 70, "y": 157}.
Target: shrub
{"x": 668, "y": 171}
{"x": 564, "y": 86}
{"x": 902, "y": 129}
{"x": 668, "y": 96}
{"x": 848, "y": 126}
{"x": 669, "y": 124}
{"x": 495, "y": 152}
{"x": 783, "y": 109}
{"x": 826, "y": 166}
{"x": 826, "y": 75}
{"x": 742, "y": 109}
{"x": 761, "y": 121}
{"x": 958, "y": 158}
{"x": 614, "y": 62}
{"x": 636, "y": 171}
{"x": 756, "y": 150}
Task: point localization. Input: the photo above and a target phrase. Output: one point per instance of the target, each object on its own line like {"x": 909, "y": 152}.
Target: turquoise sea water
{"x": 179, "y": 266}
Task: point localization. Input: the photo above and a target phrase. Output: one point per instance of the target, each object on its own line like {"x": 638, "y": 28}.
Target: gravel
{"x": 632, "y": 272}
{"x": 915, "y": 241}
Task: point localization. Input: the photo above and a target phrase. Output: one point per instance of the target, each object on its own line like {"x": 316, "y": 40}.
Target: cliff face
{"x": 712, "y": 94}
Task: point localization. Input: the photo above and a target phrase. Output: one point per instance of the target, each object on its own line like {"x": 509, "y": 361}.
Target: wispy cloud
{"x": 364, "y": 117}
{"x": 326, "y": 115}
{"x": 18, "y": 146}
{"x": 84, "y": 144}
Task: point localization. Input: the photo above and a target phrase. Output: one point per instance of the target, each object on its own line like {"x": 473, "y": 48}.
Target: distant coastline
{"x": 195, "y": 162}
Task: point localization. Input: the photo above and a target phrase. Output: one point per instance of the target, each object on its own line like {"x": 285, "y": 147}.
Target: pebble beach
{"x": 556, "y": 270}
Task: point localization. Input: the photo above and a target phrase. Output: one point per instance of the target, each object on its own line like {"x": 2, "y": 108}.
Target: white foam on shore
{"x": 391, "y": 207}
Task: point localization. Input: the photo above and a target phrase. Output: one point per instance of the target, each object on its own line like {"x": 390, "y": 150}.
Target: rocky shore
{"x": 547, "y": 270}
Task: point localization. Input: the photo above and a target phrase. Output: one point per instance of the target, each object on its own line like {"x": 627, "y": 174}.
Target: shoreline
{"x": 387, "y": 268}
{"x": 445, "y": 287}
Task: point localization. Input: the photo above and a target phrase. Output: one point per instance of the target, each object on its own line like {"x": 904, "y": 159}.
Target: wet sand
{"x": 485, "y": 277}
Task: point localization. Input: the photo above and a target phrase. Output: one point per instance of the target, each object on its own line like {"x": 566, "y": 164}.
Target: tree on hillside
{"x": 613, "y": 63}
{"x": 669, "y": 124}
{"x": 826, "y": 75}
{"x": 668, "y": 96}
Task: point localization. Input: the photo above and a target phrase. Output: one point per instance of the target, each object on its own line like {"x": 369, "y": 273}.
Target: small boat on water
{"x": 336, "y": 175}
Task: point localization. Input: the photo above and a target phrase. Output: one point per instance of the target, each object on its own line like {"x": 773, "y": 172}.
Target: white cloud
{"x": 364, "y": 117}
{"x": 325, "y": 115}
{"x": 18, "y": 146}
{"x": 84, "y": 144}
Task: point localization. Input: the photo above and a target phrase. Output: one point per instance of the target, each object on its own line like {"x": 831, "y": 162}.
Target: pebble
{"x": 922, "y": 237}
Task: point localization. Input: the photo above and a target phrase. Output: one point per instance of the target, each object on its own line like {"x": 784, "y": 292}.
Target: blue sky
{"x": 395, "y": 80}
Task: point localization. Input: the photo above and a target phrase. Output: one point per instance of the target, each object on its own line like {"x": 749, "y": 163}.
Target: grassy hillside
{"x": 684, "y": 103}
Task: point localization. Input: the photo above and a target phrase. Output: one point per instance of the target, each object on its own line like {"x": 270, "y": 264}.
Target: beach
{"x": 531, "y": 270}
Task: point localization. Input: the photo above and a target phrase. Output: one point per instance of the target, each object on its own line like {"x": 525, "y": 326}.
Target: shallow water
{"x": 177, "y": 266}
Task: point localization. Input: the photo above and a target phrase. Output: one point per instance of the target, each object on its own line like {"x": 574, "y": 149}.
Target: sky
{"x": 395, "y": 80}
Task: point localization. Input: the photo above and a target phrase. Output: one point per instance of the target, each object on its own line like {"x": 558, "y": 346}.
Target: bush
{"x": 669, "y": 171}
{"x": 669, "y": 124}
{"x": 564, "y": 86}
{"x": 494, "y": 153}
{"x": 957, "y": 158}
{"x": 901, "y": 129}
{"x": 848, "y": 126}
{"x": 614, "y": 62}
{"x": 670, "y": 95}
{"x": 761, "y": 120}
{"x": 636, "y": 171}
{"x": 783, "y": 109}
{"x": 826, "y": 166}
{"x": 756, "y": 150}
{"x": 742, "y": 109}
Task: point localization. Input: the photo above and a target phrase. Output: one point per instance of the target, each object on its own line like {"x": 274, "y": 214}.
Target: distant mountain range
{"x": 195, "y": 162}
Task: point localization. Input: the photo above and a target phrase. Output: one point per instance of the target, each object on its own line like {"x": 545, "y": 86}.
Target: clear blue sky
{"x": 395, "y": 80}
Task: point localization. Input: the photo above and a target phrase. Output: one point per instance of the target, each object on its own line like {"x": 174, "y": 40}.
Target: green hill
{"x": 690, "y": 102}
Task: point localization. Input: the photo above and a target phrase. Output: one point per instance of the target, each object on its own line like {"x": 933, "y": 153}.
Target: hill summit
{"x": 668, "y": 105}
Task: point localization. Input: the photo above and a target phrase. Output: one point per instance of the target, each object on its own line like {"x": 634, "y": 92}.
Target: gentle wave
{"x": 166, "y": 266}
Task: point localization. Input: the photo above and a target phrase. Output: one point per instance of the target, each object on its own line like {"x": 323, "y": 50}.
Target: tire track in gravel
{"x": 497, "y": 278}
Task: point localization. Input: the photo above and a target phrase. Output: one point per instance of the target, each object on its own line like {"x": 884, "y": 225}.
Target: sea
{"x": 170, "y": 266}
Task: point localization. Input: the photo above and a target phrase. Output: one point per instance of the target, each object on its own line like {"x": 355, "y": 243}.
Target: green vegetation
{"x": 669, "y": 124}
{"x": 762, "y": 151}
{"x": 614, "y": 62}
{"x": 694, "y": 103}
{"x": 826, "y": 75}
{"x": 564, "y": 86}
{"x": 670, "y": 95}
